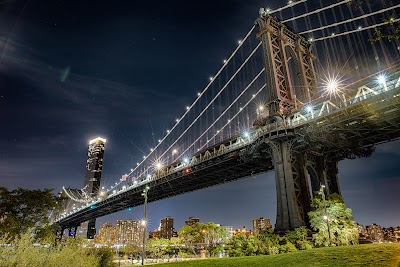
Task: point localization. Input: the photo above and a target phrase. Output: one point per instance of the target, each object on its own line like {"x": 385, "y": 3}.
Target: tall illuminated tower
{"x": 94, "y": 166}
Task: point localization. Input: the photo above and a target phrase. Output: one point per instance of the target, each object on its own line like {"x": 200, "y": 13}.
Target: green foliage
{"x": 343, "y": 228}
{"x": 22, "y": 209}
{"x": 21, "y": 251}
{"x": 298, "y": 237}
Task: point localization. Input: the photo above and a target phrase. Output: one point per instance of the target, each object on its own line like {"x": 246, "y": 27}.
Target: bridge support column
{"x": 91, "y": 229}
{"x": 293, "y": 195}
{"x": 59, "y": 234}
{"x": 332, "y": 177}
{"x": 72, "y": 231}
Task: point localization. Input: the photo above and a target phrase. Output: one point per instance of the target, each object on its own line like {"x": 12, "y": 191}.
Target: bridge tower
{"x": 291, "y": 84}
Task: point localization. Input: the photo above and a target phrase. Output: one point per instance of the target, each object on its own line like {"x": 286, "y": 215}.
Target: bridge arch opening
{"x": 295, "y": 75}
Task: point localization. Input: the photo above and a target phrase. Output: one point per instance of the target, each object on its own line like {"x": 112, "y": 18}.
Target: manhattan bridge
{"x": 309, "y": 85}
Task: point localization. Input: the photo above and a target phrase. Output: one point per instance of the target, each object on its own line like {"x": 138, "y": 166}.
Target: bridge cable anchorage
{"x": 316, "y": 11}
{"x": 210, "y": 103}
{"x": 351, "y": 20}
{"x": 356, "y": 30}
{"x": 240, "y": 110}
{"x": 198, "y": 98}
{"x": 223, "y": 113}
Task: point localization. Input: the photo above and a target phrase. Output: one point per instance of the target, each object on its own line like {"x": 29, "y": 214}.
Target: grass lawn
{"x": 359, "y": 255}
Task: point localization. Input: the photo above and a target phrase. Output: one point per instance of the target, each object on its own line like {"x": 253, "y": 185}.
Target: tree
{"x": 298, "y": 237}
{"x": 22, "y": 209}
{"x": 343, "y": 228}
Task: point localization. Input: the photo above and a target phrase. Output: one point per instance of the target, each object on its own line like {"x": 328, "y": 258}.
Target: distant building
{"x": 129, "y": 232}
{"x": 192, "y": 221}
{"x": 167, "y": 228}
{"x": 107, "y": 234}
{"x": 374, "y": 232}
{"x": 229, "y": 230}
{"x": 242, "y": 231}
{"x": 155, "y": 234}
{"x": 94, "y": 167}
{"x": 261, "y": 224}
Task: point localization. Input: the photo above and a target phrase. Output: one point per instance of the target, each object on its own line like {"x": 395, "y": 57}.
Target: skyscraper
{"x": 167, "y": 227}
{"x": 107, "y": 234}
{"x": 94, "y": 166}
{"x": 261, "y": 224}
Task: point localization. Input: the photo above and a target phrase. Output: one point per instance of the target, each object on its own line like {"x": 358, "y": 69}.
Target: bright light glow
{"x": 246, "y": 134}
{"x": 174, "y": 151}
{"x": 240, "y": 41}
{"x": 114, "y": 191}
{"x": 309, "y": 108}
{"x": 186, "y": 160}
{"x": 131, "y": 170}
{"x": 151, "y": 149}
{"x": 143, "y": 222}
{"x": 124, "y": 187}
{"x": 137, "y": 163}
{"x": 102, "y": 193}
{"x": 211, "y": 78}
{"x": 187, "y": 107}
{"x": 325, "y": 217}
{"x": 332, "y": 83}
{"x": 159, "y": 140}
{"x": 148, "y": 176}
{"x": 261, "y": 108}
{"x": 158, "y": 165}
{"x": 224, "y": 60}
{"x": 97, "y": 139}
{"x": 198, "y": 94}
{"x": 168, "y": 131}
{"x": 144, "y": 157}
{"x": 382, "y": 79}
{"x": 177, "y": 120}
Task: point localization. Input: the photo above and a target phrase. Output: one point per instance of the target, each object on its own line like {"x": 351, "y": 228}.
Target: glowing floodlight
{"x": 158, "y": 165}
{"x": 382, "y": 79}
{"x": 186, "y": 160}
{"x": 246, "y": 134}
{"x": 309, "y": 108}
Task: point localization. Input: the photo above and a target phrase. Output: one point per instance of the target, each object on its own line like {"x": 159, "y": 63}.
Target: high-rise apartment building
{"x": 192, "y": 221}
{"x": 261, "y": 224}
{"x": 94, "y": 166}
{"x": 107, "y": 234}
{"x": 129, "y": 232}
{"x": 167, "y": 227}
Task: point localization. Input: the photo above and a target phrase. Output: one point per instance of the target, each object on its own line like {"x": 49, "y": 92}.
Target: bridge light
{"x": 325, "y": 217}
{"x": 143, "y": 222}
{"x": 159, "y": 140}
{"x": 177, "y": 120}
{"x": 309, "y": 108}
{"x": 332, "y": 86}
{"x": 102, "y": 193}
{"x": 186, "y": 160}
{"x": 187, "y": 107}
{"x": 144, "y": 157}
{"x": 168, "y": 131}
{"x": 158, "y": 166}
{"x": 225, "y": 61}
{"x": 187, "y": 170}
{"x": 211, "y": 78}
{"x": 137, "y": 163}
{"x": 240, "y": 41}
{"x": 246, "y": 134}
{"x": 148, "y": 176}
{"x": 174, "y": 151}
{"x": 382, "y": 79}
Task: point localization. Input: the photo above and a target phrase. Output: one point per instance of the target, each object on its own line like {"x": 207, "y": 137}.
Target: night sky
{"x": 74, "y": 70}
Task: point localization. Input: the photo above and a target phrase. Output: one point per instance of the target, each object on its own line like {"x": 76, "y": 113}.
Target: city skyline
{"x": 66, "y": 82}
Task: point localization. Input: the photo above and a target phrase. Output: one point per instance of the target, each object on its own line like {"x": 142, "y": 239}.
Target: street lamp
{"x": 325, "y": 217}
{"x": 144, "y": 222}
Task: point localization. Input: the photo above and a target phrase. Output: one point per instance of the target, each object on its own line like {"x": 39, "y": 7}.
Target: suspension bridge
{"x": 309, "y": 85}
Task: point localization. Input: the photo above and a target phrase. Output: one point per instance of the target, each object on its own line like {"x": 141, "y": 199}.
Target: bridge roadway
{"x": 362, "y": 117}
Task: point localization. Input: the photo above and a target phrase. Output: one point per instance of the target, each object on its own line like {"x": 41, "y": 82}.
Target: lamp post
{"x": 325, "y": 217}
{"x": 144, "y": 223}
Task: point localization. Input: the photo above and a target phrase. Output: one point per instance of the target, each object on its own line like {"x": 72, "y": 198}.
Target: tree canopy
{"x": 343, "y": 229}
{"x": 23, "y": 209}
